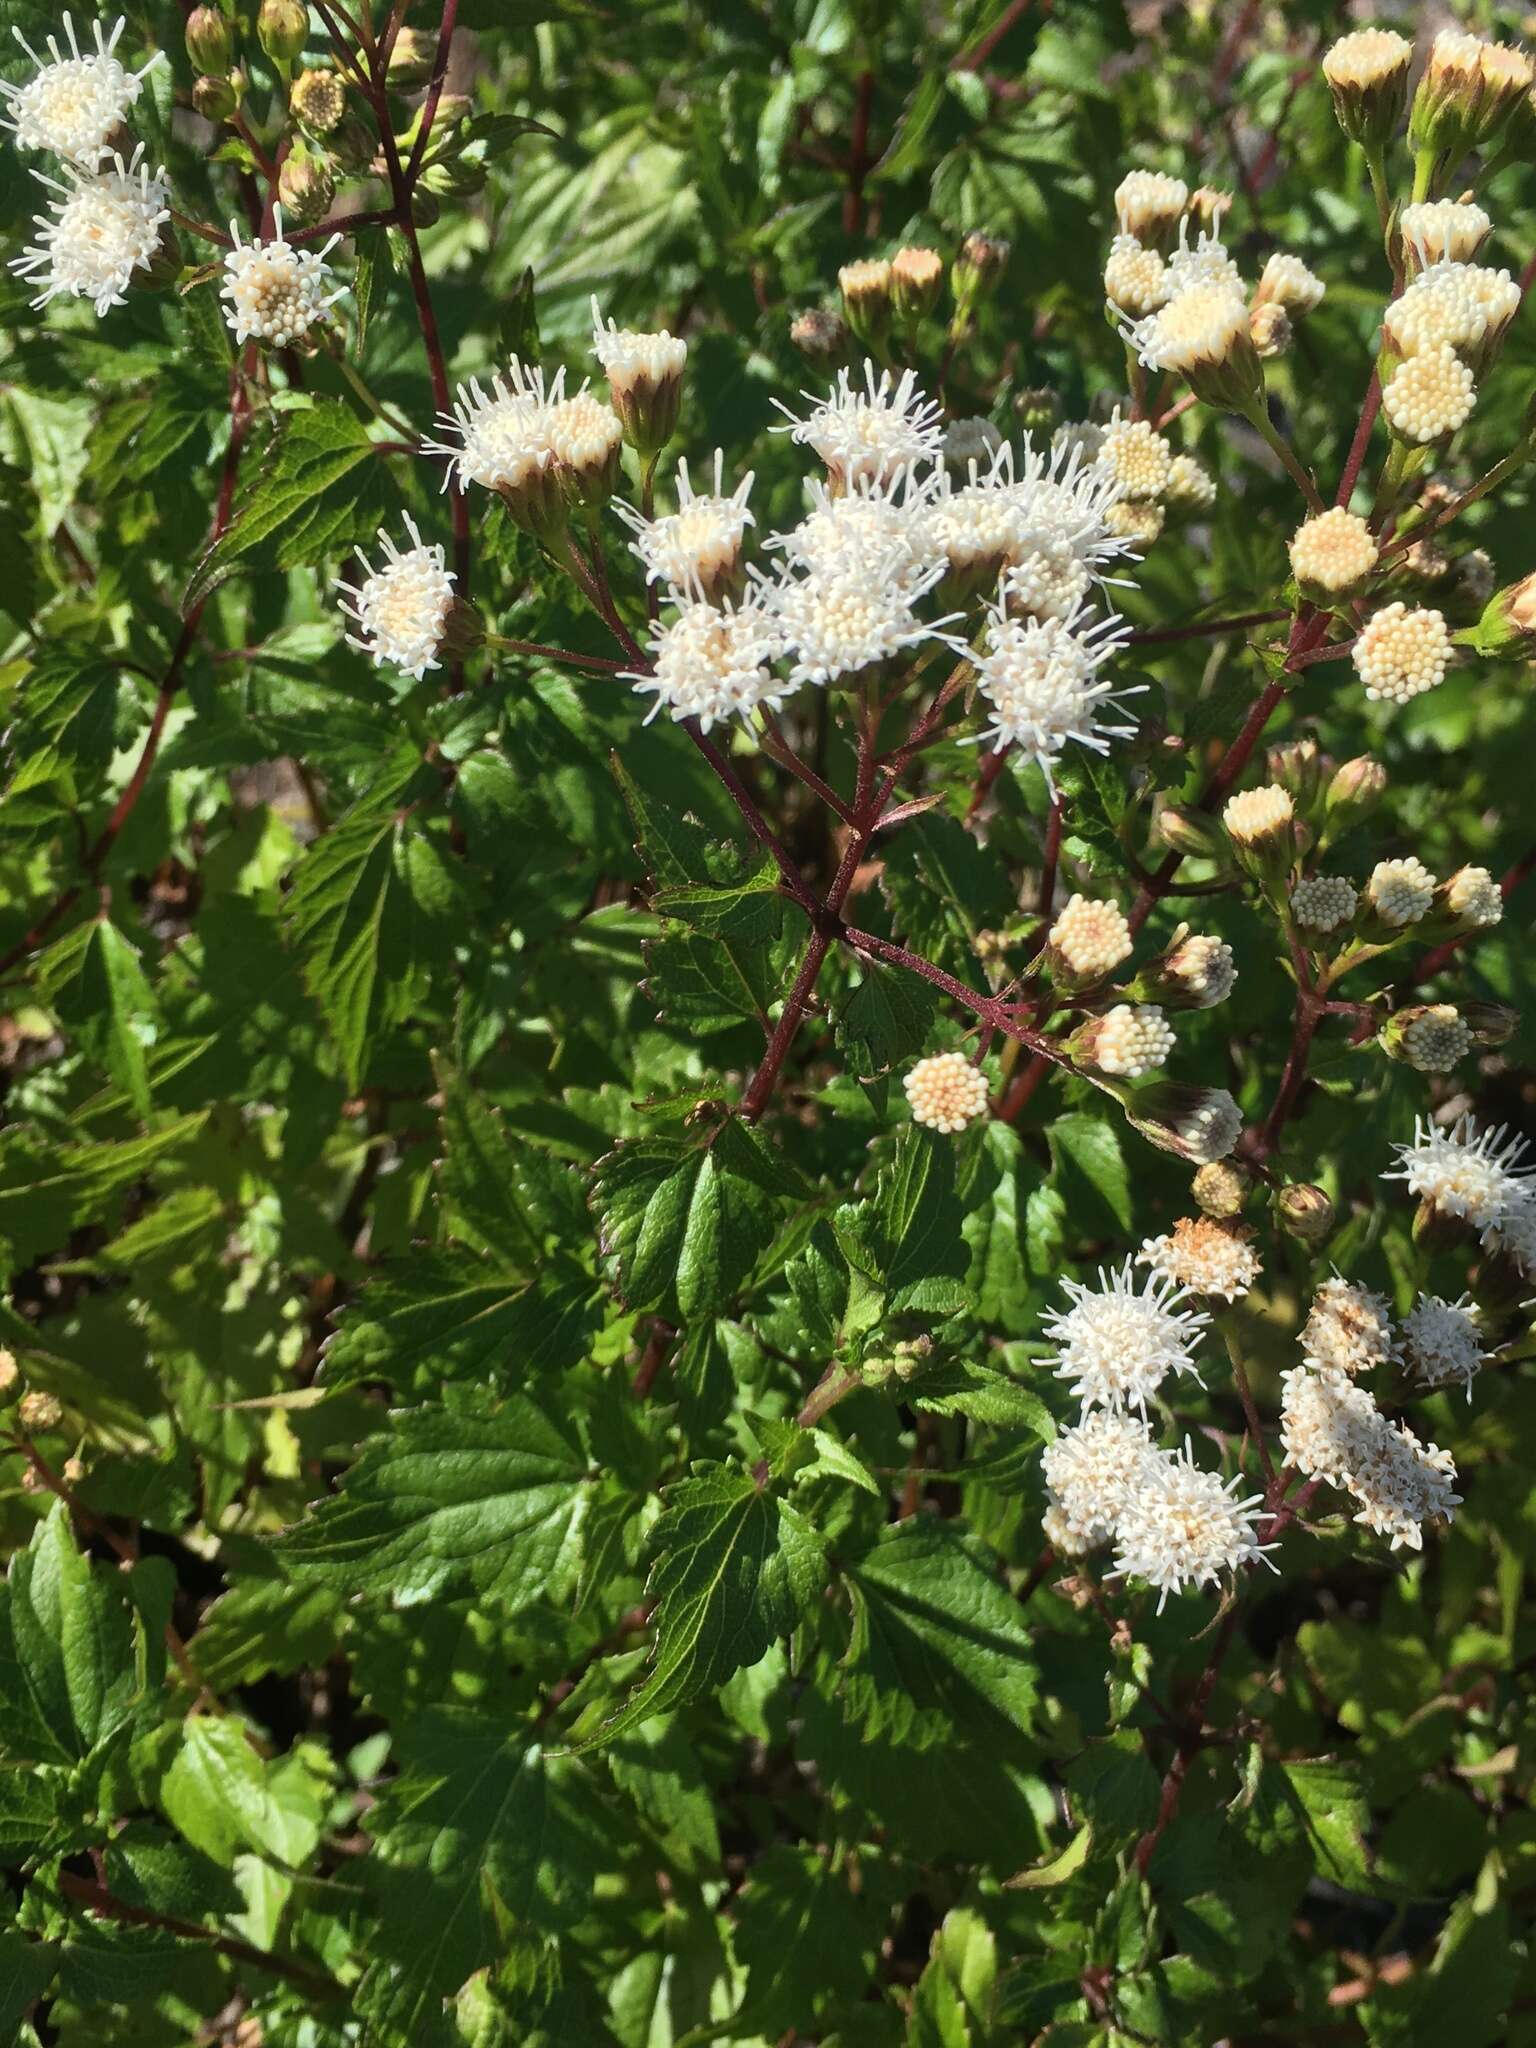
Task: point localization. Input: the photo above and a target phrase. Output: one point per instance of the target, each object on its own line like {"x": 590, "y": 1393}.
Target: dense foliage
{"x": 524, "y": 1461}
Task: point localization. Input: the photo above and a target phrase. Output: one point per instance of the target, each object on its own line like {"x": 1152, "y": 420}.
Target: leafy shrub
{"x": 764, "y": 1280}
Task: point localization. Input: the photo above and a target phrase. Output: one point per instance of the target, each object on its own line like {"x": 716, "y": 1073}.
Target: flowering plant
{"x": 768, "y": 1251}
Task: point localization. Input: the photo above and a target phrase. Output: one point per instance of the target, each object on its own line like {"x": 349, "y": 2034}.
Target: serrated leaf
{"x": 95, "y": 982}
{"x": 72, "y": 1647}
{"x": 884, "y": 1020}
{"x": 939, "y": 1648}
{"x": 736, "y": 1568}
{"x": 682, "y": 1227}
{"x": 448, "y": 1503}
{"x": 1091, "y": 1169}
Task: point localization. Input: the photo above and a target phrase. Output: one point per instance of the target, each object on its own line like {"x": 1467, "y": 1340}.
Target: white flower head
{"x": 502, "y": 435}
{"x": 75, "y": 101}
{"x": 888, "y": 425}
{"x": 843, "y": 618}
{"x": 1135, "y": 278}
{"x": 885, "y": 521}
{"x": 1289, "y": 283}
{"x": 1091, "y": 1469}
{"x": 1443, "y": 231}
{"x": 1474, "y": 899}
{"x": 697, "y": 548}
{"x": 1473, "y": 1174}
{"x": 277, "y": 292}
{"x": 1206, "y": 262}
{"x": 1332, "y": 1430}
{"x": 1430, "y": 396}
{"x": 712, "y": 663}
{"x": 630, "y": 359}
{"x": 1204, "y": 1256}
{"x": 105, "y": 226}
{"x": 1041, "y": 682}
{"x": 1136, "y": 456}
{"x": 945, "y": 1092}
{"x": 1514, "y": 1233}
{"x": 1121, "y": 1338}
{"x": 402, "y": 609}
{"x": 1203, "y": 326}
{"x": 1089, "y": 938}
{"x": 1131, "y": 1039}
{"x": 1149, "y": 202}
{"x": 1442, "y": 1341}
{"x": 1182, "y": 1526}
{"x": 1349, "y": 1329}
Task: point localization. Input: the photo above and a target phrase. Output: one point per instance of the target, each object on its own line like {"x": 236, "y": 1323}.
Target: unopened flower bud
{"x": 821, "y": 336}
{"x": 306, "y": 185}
{"x": 210, "y": 40}
{"x": 1209, "y": 205}
{"x": 1270, "y": 326}
{"x": 1507, "y": 627}
{"x": 1194, "y": 972}
{"x": 1508, "y": 76}
{"x": 1490, "y": 1023}
{"x": 1470, "y": 901}
{"x": 38, "y": 1412}
{"x": 353, "y": 145}
{"x": 585, "y": 437}
{"x": 645, "y": 379}
{"x": 1191, "y": 833}
{"x": 1305, "y": 1211}
{"x": 1448, "y": 104}
{"x": 10, "y": 1374}
{"x": 1037, "y": 408}
{"x": 1300, "y": 767}
{"x": 911, "y": 1357}
{"x": 215, "y": 98}
{"x": 1130, "y": 1040}
{"x": 877, "y": 1372}
{"x": 969, "y": 443}
{"x": 1332, "y": 554}
{"x": 867, "y": 299}
{"x": 410, "y": 61}
{"x": 319, "y": 101}
{"x": 1088, "y": 941}
{"x": 1261, "y": 825}
{"x": 282, "y": 29}
{"x": 72, "y": 1471}
{"x": 1356, "y": 789}
{"x": 1399, "y": 893}
{"x": 455, "y": 177}
{"x": 1199, "y": 1124}
{"x": 1367, "y": 74}
{"x": 1429, "y": 1037}
{"x": 917, "y": 278}
{"x": 1221, "y": 1188}
{"x": 975, "y": 275}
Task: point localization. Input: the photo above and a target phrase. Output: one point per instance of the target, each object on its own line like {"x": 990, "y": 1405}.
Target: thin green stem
{"x": 1258, "y": 418}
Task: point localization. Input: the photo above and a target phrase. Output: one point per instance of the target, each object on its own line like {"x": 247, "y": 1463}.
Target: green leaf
{"x": 736, "y": 1568}
{"x": 94, "y": 980}
{"x": 923, "y": 1253}
{"x": 939, "y": 1648}
{"x": 955, "y": 2003}
{"x": 1091, "y": 1173}
{"x": 1045, "y": 1876}
{"x": 885, "y": 1020}
{"x": 223, "y": 1795}
{"x": 450, "y": 1503}
{"x": 804, "y": 1936}
{"x": 72, "y": 1643}
{"x": 479, "y": 1845}
{"x": 683, "y": 1222}
{"x": 320, "y": 488}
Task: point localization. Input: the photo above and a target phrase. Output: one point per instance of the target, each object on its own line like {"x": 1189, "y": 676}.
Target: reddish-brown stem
{"x": 536, "y": 651}
{"x": 1207, "y": 629}
{"x": 1360, "y": 443}
{"x": 1051, "y": 857}
{"x": 858, "y": 154}
{"x": 755, "y": 822}
{"x": 764, "y": 1081}
{"x": 107, "y": 1906}
{"x": 434, "y": 89}
{"x": 975, "y": 55}
{"x": 1440, "y": 956}
{"x": 653, "y": 1358}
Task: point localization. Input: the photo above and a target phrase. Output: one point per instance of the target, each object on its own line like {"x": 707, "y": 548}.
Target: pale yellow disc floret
{"x": 1335, "y": 551}
{"x": 1430, "y": 396}
{"x": 1401, "y": 652}
{"x": 945, "y": 1092}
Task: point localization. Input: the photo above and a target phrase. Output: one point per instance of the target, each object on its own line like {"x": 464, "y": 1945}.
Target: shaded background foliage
{"x": 348, "y": 1077}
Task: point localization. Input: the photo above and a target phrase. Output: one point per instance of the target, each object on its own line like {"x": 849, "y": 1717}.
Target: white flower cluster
{"x": 1333, "y": 1431}
{"x": 276, "y": 292}
{"x": 1475, "y": 1177}
{"x": 1204, "y": 1256}
{"x": 107, "y": 216}
{"x": 402, "y": 609}
{"x": 1445, "y": 329}
{"x": 1172, "y": 1524}
{"x": 946, "y": 1092}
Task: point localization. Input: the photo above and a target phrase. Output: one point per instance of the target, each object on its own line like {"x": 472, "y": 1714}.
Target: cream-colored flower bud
{"x": 1190, "y": 487}
{"x": 585, "y": 437}
{"x": 1087, "y": 941}
{"x": 645, "y": 379}
{"x": 1400, "y": 892}
{"x": 1258, "y": 817}
{"x": 1221, "y": 1188}
{"x": 1367, "y": 74}
{"x": 1304, "y": 1211}
{"x": 1211, "y": 1258}
{"x": 916, "y": 279}
{"x": 1430, "y": 397}
{"x": 1133, "y": 521}
{"x": 821, "y": 336}
{"x": 1135, "y": 278}
{"x": 868, "y": 301}
{"x": 1289, "y": 283}
{"x": 1508, "y": 624}
{"x": 1150, "y": 205}
{"x": 1508, "y": 76}
{"x": 1322, "y": 903}
{"x": 1332, "y": 554}
{"x": 10, "y": 1374}
{"x": 946, "y": 1092}
{"x": 1194, "y": 972}
{"x": 1442, "y": 231}
{"x": 38, "y": 1412}
{"x": 1400, "y": 653}
{"x": 1204, "y": 336}
{"x": 1430, "y": 1037}
{"x": 1473, "y": 899}
{"x": 1271, "y": 329}
{"x": 1132, "y": 1039}
{"x": 1208, "y": 206}
{"x": 1447, "y": 107}
{"x": 1136, "y": 456}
